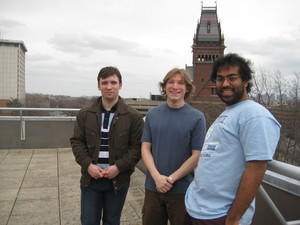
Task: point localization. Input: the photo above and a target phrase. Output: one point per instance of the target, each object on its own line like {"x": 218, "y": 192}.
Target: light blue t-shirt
{"x": 244, "y": 132}
{"x": 173, "y": 134}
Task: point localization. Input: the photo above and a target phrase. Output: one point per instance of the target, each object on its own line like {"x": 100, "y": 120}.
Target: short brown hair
{"x": 190, "y": 88}
{"x": 109, "y": 71}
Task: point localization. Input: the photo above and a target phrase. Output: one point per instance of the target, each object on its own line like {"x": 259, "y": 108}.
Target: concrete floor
{"x": 41, "y": 186}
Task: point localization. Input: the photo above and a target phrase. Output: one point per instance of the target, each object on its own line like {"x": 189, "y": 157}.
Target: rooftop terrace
{"x": 39, "y": 179}
{"x": 41, "y": 186}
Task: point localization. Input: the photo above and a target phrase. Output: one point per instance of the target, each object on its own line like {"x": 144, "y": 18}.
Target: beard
{"x": 237, "y": 96}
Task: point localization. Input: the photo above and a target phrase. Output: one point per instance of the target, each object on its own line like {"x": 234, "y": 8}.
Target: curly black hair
{"x": 233, "y": 59}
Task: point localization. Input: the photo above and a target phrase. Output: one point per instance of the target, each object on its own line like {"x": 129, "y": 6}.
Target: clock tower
{"x": 208, "y": 45}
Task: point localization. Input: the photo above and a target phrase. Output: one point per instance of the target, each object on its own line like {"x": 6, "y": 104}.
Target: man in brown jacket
{"x": 106, "y": 144}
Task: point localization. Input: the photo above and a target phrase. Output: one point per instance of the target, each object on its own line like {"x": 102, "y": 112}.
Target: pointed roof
{"x": 208, "y": 29}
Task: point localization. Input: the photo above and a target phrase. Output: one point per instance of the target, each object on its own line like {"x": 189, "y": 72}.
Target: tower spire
{"x": 208, "y": 45}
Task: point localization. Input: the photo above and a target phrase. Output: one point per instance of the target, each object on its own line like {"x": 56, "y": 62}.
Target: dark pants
{"x": 158, "y": 208}
{"x": 188, "y": 220}
{"x": 100, "y": 198}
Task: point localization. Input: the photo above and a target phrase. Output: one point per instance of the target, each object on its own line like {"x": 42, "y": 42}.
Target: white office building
{"x": 12, "y": 70}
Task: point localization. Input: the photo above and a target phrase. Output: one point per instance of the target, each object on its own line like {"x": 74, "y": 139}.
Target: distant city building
{"x": 12, "y": 71}
{"x": 156, "y": 97}
{"x": 208, "y": 45}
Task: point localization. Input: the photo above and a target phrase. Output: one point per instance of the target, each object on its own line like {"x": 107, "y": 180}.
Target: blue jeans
{"x": 100, "y": 198}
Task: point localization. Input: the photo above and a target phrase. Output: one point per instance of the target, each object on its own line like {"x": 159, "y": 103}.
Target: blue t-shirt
{"x": 244, "y": 132}
{"x": 173, "y": 134}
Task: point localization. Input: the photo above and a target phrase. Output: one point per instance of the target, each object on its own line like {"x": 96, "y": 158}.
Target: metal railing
{"x": 274, "y": 209}
{"x": 277, "y": 172}
{"x": 22, "y": 118}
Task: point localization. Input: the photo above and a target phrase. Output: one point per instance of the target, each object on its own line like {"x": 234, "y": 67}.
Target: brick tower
{"x": 208, "y": 45}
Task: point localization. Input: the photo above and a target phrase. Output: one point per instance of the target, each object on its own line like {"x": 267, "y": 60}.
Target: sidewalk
{"x": 41, "y": 186}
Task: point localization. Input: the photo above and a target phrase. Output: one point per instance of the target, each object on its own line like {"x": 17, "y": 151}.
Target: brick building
{"x": 208, "y": 45}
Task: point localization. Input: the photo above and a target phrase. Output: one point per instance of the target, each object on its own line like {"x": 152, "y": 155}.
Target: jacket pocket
{"x": 90, "y": 135}
{"x": 121, "y": 142}
{"x": 122, "y": 139}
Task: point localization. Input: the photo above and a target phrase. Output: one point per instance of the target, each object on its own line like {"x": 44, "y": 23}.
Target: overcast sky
{"x": 68, "y": 41}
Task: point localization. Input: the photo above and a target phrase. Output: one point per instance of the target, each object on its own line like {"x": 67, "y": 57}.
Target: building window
{"x": 208, "y": 27}
{"x": 213, "y": 90}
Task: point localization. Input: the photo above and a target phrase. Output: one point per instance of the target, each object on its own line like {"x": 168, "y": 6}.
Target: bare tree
{"x": 295, "y": 88}
{"x": 37, "y": 101}
{"x": 289, "y": 117}
{"x": 262, "y": 90}
{"x": 270, "y": 86}
{"x": 280, "y": 86}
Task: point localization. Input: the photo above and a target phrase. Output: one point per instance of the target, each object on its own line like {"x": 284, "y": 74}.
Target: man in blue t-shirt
{"x": 235, "y": 153}
{"x": 172, "y": 139}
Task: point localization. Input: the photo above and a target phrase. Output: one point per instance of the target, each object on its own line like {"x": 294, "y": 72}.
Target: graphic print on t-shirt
{"x": 208, "y": 149}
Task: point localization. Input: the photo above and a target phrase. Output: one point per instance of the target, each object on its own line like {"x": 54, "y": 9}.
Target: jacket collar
{"x": 122, "y": 108}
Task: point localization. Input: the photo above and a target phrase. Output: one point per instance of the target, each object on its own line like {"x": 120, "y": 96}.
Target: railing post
{"x": 271, "y": 204}
{"x": 22, "y": 127}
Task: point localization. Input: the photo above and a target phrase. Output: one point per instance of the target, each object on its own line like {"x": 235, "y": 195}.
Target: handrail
{"x": 37, "y": 109}
{"x": 38, "y": 118}
{"x": 23, "y": 119}
{"x": 274, "y": 209}
{"x": 294, "y": 222}
{"x": 285, "y": 169}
